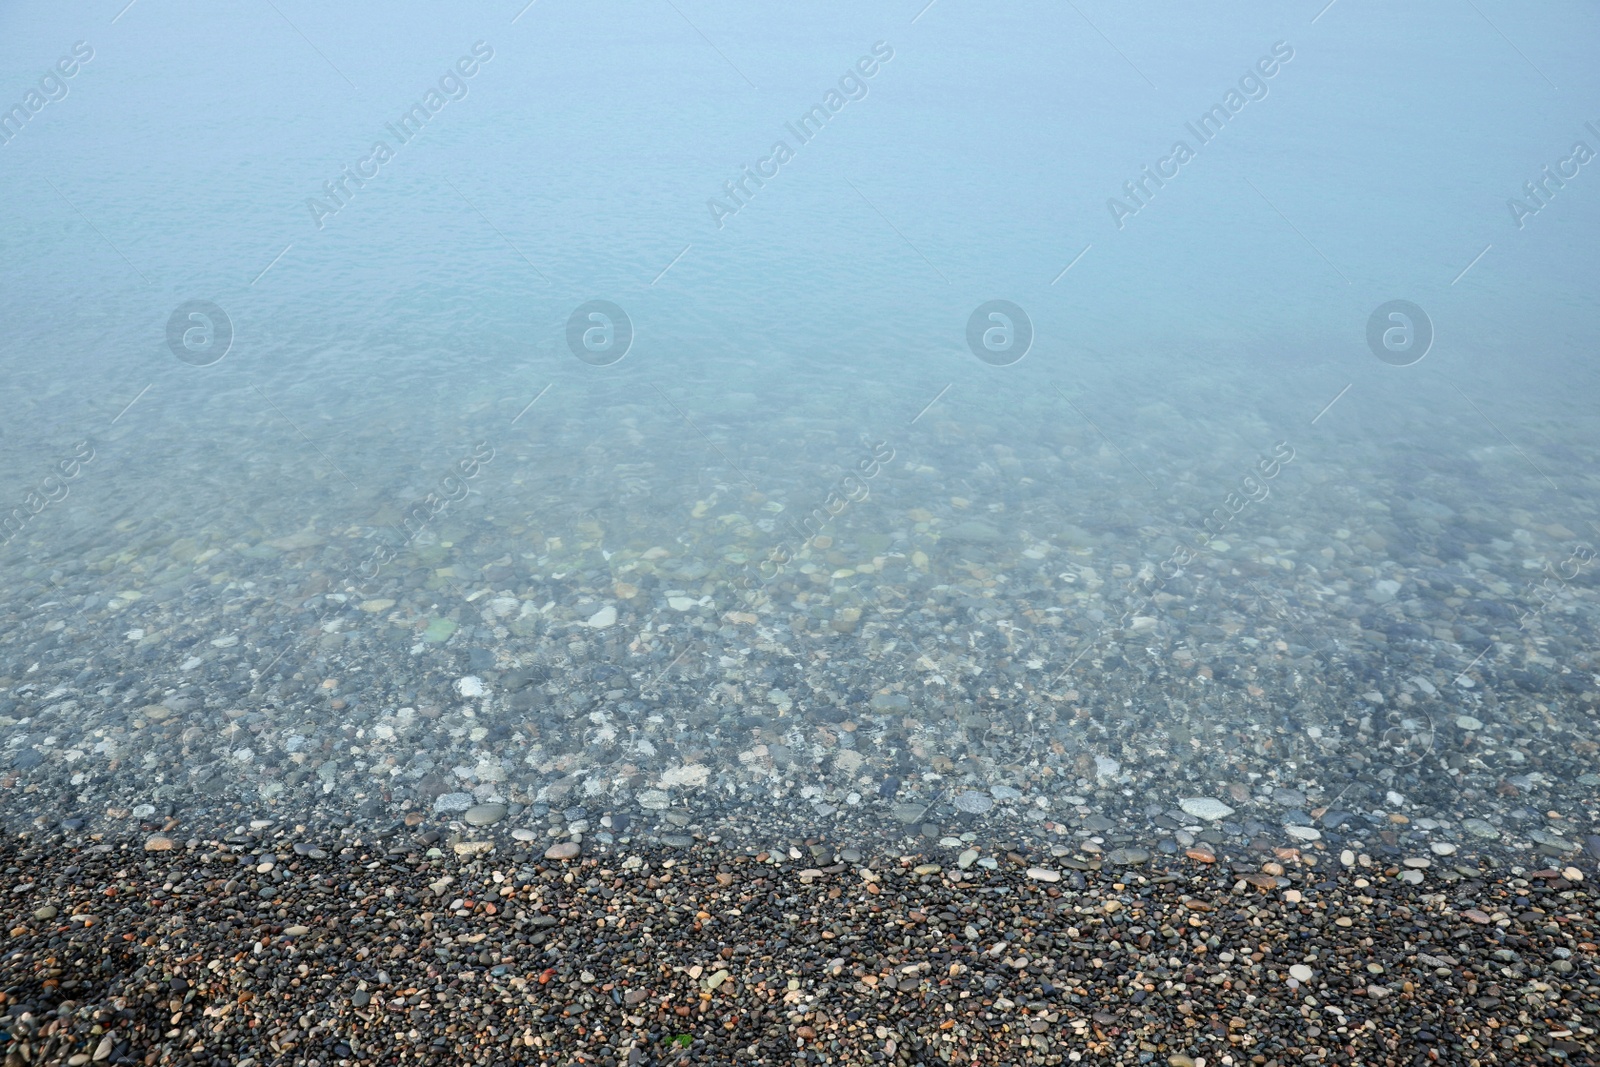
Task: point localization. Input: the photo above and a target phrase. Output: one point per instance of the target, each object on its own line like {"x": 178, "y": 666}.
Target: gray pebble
{"x": 484, "y": 814}
{"x": 973, "y": 802}
{"x": 449, "y": 803}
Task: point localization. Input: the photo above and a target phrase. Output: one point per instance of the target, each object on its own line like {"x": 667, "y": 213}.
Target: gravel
{"x": 363, "y": 955}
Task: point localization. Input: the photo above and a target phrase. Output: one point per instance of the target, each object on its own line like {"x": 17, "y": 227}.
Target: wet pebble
{"x": 973, "y": 802}
{"x": 1207, "y": 808}
{"x": 484, "y": 814}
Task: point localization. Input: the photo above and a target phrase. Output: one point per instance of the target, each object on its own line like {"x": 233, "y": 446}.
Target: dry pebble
{"x": 373, "y": 953}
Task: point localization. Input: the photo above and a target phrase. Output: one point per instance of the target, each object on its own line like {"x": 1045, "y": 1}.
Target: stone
{"x": 973, "y": 802}
{"x": 439, "y": 631}
{"x": 159, "y": 843}
{"x": 1300, "y": 972}
{"x": 1205, "y": 808}
{"x": 973, "y": 532}
{"x": 450, "y": 803}
{"x": 1044, "y": 874}
{"x": 909, "y": 813}
{"x": 485, "y": 814}
{"x": 563, "y": 850}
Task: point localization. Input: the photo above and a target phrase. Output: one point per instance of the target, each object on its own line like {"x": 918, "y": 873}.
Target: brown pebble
{"x": 159, "y": 843}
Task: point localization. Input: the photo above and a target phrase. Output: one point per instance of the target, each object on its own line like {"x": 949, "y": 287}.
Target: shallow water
{"x": 787, "y": 548}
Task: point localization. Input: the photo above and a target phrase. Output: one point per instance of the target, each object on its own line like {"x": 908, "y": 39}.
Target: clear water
{"x": 373, "y": 531}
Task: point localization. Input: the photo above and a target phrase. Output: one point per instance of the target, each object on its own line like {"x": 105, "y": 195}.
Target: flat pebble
{"x": 1300, "y": 972}
{"x": 1044, "y": 874}
{"x": 909, "y": 813}
{"x": 1209, "y": 808}
{"x": 563, "y": 850}
{"x": 485, "y": 814}
{"x": 973, "y": 802}
{"x": 450, "y": 803}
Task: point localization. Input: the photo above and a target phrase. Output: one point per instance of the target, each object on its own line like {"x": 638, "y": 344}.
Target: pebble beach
{"x": 266, "y": 947}
{"x": 957, "y": 784}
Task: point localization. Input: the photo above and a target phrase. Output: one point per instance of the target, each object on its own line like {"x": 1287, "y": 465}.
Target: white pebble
{"x": 1205, "y": 808}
